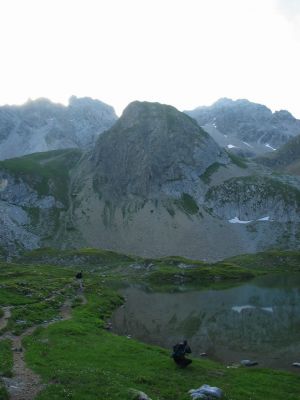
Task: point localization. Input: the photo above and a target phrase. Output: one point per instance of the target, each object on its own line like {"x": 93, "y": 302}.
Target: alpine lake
{"x": 257, "y": 320}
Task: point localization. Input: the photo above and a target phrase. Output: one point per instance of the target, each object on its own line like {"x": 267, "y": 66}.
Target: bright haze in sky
{"x": 185, "y": 53}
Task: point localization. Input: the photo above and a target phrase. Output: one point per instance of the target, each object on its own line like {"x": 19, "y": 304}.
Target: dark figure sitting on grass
{"x": 79, "y": 279}
{"x": 179, "y": 352}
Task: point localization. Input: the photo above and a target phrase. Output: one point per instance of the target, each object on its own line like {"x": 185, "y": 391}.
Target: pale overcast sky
{"x": 181, "y": 52}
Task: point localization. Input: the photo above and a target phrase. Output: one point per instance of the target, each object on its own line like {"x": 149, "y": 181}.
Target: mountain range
{"x": 246, "y": 128}
{"x": 41, "y": 125}
{"x": 153, "y": 184}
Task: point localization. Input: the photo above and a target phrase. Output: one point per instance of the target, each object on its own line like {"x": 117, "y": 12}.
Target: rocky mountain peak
{"x": 81, "y": 103}
{"x": 41, "y": 125}
{"x": 153, "y": 148}
{"x": 284, "y": 115}
{"x": 245, "y": 127}
{"x": 153, "y": 118}
{"x": 41, "y": 102}
{"x": 223, "y": 102}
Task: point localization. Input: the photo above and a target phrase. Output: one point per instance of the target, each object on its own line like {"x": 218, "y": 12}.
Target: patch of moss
{"x": 3, "y": 393}
{"x": 206, "y": 176}
{"x": 34, "y": 215}
{"x": 238, "y": 161}
{"x": 188, "y": 204}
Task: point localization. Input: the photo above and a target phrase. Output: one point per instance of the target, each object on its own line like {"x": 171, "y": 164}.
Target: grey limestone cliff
{"x": 245, "y": 127}
{"x": 34, "y": 197}
{"x": 255, "y": 198}
{"x": 41, "y": 125}
{"x": 153, "y": 149}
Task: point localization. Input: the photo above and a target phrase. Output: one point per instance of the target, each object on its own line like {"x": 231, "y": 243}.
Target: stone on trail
{"x": 206, "y": 392}
{"x": 138, "y": 395}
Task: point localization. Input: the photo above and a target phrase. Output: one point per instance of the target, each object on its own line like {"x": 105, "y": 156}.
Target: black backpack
{"x": 178, "y": 350}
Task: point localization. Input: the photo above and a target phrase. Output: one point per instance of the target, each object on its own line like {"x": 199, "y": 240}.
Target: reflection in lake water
{"x": 258, "y": 320}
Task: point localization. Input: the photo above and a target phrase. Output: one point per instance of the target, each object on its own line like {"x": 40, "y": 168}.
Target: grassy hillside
{"x": 273, "y": 260}
{"x": 47, "y": 172}
{"x": 166, "y": 270}
{"x": 79, "y": 359}
{"x": 158, "y": 272}
{"x": 87, "y": 257}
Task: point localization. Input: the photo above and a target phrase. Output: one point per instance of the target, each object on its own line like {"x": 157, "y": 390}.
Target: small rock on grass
{"x": 18, "y": 349}
{"x": 248, "y": 363}
{"x": 206, "y": 392}
{"x": 296, "y": 364}
{"x": 138, "y": 395}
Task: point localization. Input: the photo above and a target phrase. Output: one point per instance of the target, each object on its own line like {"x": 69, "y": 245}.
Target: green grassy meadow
{"x": 80, "y": 359}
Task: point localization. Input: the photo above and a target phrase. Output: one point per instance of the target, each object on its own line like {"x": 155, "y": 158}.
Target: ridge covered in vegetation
{"x": 46, "y": 172}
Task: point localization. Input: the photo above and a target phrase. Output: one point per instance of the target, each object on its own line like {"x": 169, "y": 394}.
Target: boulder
{"x": 206, "y": 392}
{"x": 248, "y": 363}
{"x": 138, "y": 395}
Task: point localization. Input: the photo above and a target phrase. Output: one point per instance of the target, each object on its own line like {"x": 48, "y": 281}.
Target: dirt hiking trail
{"x": 25, "y": 384}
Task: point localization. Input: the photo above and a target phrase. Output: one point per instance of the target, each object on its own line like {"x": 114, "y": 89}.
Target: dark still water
{"x": 259, "y": 320}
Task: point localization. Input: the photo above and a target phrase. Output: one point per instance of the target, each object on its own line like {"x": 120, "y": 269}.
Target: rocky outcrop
{"x": 153, "y": 149}
{"x": 16, "y": 191}
{"x": 34, "y": 197}
{"x": 14, "y": 233}
{"x": 286, "y": 159}
{"x": 246, "y": 128}
{"x": 41, "y": 125}
{"x": 254, "y": 198}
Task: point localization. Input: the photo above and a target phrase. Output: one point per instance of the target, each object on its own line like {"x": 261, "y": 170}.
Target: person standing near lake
{"x": 179, "y": 352}
{"x": 79, "y": 277}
